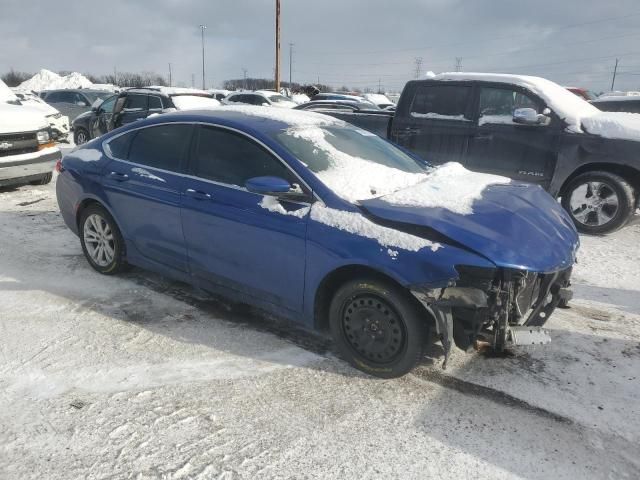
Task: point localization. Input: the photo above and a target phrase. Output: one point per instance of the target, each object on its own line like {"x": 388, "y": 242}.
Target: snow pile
{"x": 355, "y": 223}
{"x": 299, "y": 98}
{"x": 285, "y": 115}
{"x": 614, "y": 125}
{"x": 450, "y": 186}
{"x": 48, "y": 80}
{"x": 355, "y": 178}
{"x": 273, "y": 205}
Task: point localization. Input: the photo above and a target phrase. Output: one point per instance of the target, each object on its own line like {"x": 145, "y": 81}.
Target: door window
{"x": 162, "y": 146}
{"x": 107, "y": 105}
{"x": 136, "y": 103}
{"x": 155, "y": 103}
{"x": 230, "y": 158}
{"x": 444, "y": 102}
{"x": 498, "y": 104}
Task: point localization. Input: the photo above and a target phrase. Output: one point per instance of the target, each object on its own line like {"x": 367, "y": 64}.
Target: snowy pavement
{"x": 136, "y": 376}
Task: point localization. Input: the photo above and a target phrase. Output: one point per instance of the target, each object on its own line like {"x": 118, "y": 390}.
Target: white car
{"x": 219, "y": 93}
{"x": 59, "y": 123}
{"x": 259, "y": 97}
{"x": 27, "y": 152}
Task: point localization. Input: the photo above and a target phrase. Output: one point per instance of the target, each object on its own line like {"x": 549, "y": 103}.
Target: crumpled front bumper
{"x": 18, "y": 168}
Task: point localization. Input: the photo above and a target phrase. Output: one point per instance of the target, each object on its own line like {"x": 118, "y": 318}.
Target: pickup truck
{"x": 27, "y": 151}
{"x": 526, "y": 128}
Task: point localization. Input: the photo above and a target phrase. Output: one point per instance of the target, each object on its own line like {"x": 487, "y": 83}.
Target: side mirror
{"x": 528, "y": 116}
{"x": 268, "y": 185}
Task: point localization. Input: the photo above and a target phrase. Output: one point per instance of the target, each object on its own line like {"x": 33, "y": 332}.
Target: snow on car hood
{"x": 514, "y": 225}
{"x": 17, "y": 118}
{"x": 621, "y": 125}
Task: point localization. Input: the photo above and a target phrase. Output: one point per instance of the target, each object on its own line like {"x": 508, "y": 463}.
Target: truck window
{"x": 445, "y": 102}
{"x": 497, "y": 104}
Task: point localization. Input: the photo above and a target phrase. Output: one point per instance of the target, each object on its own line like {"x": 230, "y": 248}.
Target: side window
{"x": 445, "y": 102}
{"x": 231, "y": 158}
{"x": 235, "y": 98}
{"x": 67, "y": 97}
{"x": 258, "y": 100}
{"x": 53, "y": 97}
{"x": 119, "y": 146}
{"x": 107, "y": 105}
{"x": 498, "y": 104}
{"x": 155, "y": 103}
{"x": 161, "y": 147}
{"x": 80, "y": 100}
{"x": 135, "y": 102}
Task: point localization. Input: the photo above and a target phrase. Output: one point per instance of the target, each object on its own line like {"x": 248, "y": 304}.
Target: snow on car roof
{"x": 617, "y": 98}
{"x": 565, "y": 104}
{"x": 293, "y": 118}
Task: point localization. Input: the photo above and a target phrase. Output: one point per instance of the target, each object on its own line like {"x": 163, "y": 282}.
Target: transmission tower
{"x": 418, "y": 66}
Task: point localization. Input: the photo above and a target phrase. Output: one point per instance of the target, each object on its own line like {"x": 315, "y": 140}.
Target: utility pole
{"x": 244, "y": 84}
{"x": 202, "y": 29}
{"x": 115, "y": 75}
{"x": 290, "y": 64}
{"x": 615, "y": 71}
{"x": 193, "y": 80}
{"x": 418, "y": 66}
{"x": 170, "y": 84}
{"x": 458, "y": 64}
{"x": 277, "y": 45}
{"x": 379, "y": 87}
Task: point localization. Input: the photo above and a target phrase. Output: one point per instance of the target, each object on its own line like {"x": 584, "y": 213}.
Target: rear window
{"x": 448, "y": 102}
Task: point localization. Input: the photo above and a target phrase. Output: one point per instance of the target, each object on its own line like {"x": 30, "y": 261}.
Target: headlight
{"x": 43, "y": 136}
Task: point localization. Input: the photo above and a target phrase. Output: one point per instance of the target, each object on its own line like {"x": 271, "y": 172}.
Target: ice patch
{"x": 450, "y": 186}
{"x": 438, "y": 116}
{"x": 88, "y": 154}
{"x": 392, "y": 253}
{"x": 273, "y": 205}
{"x": 147, "y": 174}
{"x": 357, "y": 224}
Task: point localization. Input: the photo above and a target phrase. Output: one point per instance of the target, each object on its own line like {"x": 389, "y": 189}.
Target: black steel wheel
{"x": 378, "y": 327}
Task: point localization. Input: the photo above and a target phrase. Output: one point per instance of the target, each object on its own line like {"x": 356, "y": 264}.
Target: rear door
{"x": 144, "y": 184}
{"x": 501, "y": 146}
{"x": 435, "y": 120}
{"x": 240, "y": 240}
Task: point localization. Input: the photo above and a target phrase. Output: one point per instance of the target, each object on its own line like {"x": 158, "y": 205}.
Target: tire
{"x": 599, "y": 202}
{"x": 44, "y": 180}
{"x": 98, "y": 229}
{"x": 81, "y": 136}
{"x": 396, "y": 332}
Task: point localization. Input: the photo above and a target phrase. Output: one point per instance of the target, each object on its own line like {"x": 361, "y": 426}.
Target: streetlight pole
{"x": 202, "y": 28}
{"x": 277, "y": 45}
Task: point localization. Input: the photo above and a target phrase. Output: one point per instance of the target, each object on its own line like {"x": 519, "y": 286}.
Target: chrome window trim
{"x": 107, "y": 150}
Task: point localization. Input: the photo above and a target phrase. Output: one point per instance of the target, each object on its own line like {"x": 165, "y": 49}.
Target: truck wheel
{"x": 377, "y": 328}
{"x": 80, "y": 136}
{"x": 598, "y": 202}
{"x": 102, "y": 243}
{"x": 45, "y": 179}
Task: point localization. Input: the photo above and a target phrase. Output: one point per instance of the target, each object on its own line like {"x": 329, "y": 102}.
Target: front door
{"x": 143, "y": 185}
{"x": 500, "y": 146}
{"x": 435, "y": 121}
{"x": 250, "y": 243}
{"x": 100, "y": 124}
{"x": 129, "y": 108}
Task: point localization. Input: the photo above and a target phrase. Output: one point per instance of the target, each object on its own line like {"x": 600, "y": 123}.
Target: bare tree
{"x": 13, "y": 78}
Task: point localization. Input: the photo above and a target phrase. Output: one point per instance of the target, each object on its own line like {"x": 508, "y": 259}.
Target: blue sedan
{"x": 310, "y": 218}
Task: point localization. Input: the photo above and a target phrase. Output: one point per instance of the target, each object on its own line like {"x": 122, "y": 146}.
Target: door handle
{"x": 197, "y": 194}
{"x": 119, "y": 177}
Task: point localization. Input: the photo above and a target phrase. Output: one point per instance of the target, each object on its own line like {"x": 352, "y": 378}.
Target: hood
{"x": 86, "y": 114}
{"x": 17, "y": 118}
{"x": 514, "y": 225}
{"x": 620, "y": 125}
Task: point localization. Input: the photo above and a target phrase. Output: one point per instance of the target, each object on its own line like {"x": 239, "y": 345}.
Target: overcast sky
{"x": 357, "y": 43}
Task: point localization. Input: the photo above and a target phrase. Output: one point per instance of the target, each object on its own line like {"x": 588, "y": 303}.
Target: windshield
{"x": 194, "y": 102}
{"x": 93, "y": 96}
{"x": 278, "y": 98}
{"x": 354, "y": 163}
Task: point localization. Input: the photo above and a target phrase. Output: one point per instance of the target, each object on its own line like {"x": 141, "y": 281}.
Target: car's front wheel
{"x": 377, "y": 327}
{"x": 80, "y": 136}
{"x": 598, "y": 202}
{"x": 101, "y": 240}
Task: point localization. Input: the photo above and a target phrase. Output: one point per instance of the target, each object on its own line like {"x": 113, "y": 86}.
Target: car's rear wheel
{"x": 81, "y": 136}
{"x": 101, "y": 240}
{"x": 377, "y": 327}
{"x": 45, "y": 179}
{"x": 598, "y": 202}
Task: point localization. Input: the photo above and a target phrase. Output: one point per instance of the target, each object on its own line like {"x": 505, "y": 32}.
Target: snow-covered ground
{"x": 139, "y": 377}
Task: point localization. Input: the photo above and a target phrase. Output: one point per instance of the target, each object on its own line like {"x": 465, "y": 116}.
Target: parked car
{"x": 310, "y": 218}
{"x": 219, "y": 94}
{"x": 135, "y": 104}
{"x": 27, "y": 151}
{"x": 260, "y": 97}
{"x": 380, "y": 100}
{"x": 629, "y": 104}
{"x": 73, "y": 102}
{"x": 582, "y": 93}
{"x": 529, "y": 129}
{"x": 59, "y": 123}
{"x": 369, "y": 115}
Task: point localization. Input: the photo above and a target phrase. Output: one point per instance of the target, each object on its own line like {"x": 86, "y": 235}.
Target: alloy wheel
{"x": 594, "y": 203}
{"x": 99, "y": 240}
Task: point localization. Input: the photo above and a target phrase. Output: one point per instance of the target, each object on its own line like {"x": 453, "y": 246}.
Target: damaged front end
{"x": 495, "y": 308}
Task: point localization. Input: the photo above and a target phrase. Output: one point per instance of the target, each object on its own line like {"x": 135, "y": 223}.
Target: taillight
{"x": 59, "y": 167}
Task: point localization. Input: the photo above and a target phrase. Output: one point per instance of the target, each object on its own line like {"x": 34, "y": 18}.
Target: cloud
{"x": 357, "y": 43}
